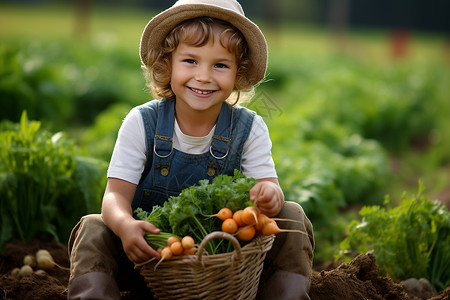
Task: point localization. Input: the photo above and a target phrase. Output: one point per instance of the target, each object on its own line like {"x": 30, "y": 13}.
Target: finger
{"x": 133, "y": 257}
{"x": 255, "y": 191}
{"x": 265, "y": 205}
{"x": 148, "y": 227}
{"x": 263, "y": 198}
{"x": 147, "y": 250}
{"x": 139, "y": 256}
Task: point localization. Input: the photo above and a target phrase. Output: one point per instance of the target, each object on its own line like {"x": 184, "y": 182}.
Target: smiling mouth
{"x": 202, "y": 92}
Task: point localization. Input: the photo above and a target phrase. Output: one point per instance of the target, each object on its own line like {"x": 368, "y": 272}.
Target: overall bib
{"x": 168, "y": 171}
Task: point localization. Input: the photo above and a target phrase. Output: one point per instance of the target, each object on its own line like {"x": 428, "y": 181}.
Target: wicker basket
{"x": 233, "y": 275}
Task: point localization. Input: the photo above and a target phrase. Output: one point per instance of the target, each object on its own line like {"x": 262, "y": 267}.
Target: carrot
{"x": 271, "y": 227}
{"x": 187, "y": 242}
{"x": 246, "y": 233}
{"x": 224, "y": 213}
{"x": 229, "y": 226}
{"x": 288, "y": 220}
{"x": 249, "y": 215}
{"x": 262, "y": 219}
{"x": 176, "y": 248}
{"x": 166, "y": 254}
{"x": 171, "y": 240}
{"x": 237, "y": 217}
{"x": 190, "y": 251}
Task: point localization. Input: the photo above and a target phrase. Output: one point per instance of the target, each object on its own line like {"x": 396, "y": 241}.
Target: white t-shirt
{"x": 128, "y": 158}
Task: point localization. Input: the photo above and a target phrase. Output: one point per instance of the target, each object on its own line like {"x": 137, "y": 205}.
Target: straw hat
{"x": 226, "y": 10}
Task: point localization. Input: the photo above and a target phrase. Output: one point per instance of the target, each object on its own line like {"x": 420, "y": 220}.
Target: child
{"x": 198, "y": 57}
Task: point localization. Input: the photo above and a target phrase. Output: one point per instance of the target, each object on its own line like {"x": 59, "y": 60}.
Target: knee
{"x": 94, "y": 219}
{"x": 292, "y": 210}
{"x": 89, "y": 223}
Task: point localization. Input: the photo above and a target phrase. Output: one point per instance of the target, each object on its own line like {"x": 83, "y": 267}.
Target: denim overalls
{"x": 168, "y": 171}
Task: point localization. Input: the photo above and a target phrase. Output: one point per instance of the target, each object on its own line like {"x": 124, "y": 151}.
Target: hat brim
{"x": 159, "y": 26}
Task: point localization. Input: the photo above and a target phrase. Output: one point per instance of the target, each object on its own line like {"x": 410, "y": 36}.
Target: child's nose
{"x": 203, "y": 74}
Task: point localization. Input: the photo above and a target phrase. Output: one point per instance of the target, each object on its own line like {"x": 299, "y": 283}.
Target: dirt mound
{"x": 50, "y": 286}
{"x": 357, "y": 280}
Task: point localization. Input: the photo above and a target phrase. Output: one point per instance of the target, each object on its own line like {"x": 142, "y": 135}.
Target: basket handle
{"x": 219, "y": 235}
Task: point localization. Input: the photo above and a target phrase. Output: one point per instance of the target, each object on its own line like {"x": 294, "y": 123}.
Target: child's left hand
{"x": 268, "y": 196}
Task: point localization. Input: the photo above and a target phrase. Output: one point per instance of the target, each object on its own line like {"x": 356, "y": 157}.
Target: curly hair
{"x": 197, "y": 32}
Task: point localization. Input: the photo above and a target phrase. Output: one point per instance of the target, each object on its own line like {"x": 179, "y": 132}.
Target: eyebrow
{"x": 188, "y": 54}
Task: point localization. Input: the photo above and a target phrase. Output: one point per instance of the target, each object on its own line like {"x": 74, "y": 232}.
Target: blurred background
{"x": 356, "y": 97}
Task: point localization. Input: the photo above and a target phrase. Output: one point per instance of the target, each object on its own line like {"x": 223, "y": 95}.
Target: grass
{"x": 106, "y": 24}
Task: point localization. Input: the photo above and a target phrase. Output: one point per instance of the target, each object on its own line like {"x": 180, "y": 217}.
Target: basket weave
{"x": 232, "y": 275}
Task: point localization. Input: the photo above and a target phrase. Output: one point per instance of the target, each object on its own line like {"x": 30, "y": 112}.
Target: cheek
{"x": 234, "y": 80}
{"x": 175, "y": 74}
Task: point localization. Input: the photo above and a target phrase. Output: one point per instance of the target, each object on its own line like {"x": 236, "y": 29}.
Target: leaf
{"x": 410, "y": 240}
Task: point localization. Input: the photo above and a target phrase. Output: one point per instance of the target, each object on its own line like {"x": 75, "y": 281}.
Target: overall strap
{"x": 221, "y": 141}
{"x": 163, "y": 142}
{"x": 149, "y": 113}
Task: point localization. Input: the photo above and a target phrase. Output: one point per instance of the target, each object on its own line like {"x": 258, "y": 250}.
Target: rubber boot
{"x": 93, "y": 285}
{"x": 284, "y": 285}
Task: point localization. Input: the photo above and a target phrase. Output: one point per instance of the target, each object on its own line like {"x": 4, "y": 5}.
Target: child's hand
{"x": 134, "y": 244}
{"x": 268, "y": 197}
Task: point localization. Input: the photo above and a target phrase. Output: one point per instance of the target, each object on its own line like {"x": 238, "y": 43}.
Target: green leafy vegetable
{"x": 45, "y": 185}
{"x": 410, "y": 240}
{"x": 190, "y": 212}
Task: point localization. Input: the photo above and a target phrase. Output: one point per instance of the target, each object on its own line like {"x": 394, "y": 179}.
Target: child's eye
{"x": 221, "y": 66}
{"x": 189, "y": 61}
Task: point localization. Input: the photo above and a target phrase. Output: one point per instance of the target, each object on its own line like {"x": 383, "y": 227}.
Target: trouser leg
{"x": 99, "y": 268}
{"x": 288, "y": 265}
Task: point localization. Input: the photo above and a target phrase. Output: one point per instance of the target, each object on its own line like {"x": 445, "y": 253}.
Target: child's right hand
{"x": 134, "y": 244}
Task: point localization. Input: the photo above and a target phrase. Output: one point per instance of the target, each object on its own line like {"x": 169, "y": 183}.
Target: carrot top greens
{"x": 190, "y": 212}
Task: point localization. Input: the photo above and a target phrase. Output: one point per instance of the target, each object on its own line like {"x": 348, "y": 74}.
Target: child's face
{"x": 203, "y": 77}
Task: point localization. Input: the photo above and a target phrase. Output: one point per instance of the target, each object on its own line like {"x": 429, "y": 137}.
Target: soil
{"x": 358, "y": 279}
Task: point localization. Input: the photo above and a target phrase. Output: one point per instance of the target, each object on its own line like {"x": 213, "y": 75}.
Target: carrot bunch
{"x": 249, "y": 222}
{"x": 176, "y": 247}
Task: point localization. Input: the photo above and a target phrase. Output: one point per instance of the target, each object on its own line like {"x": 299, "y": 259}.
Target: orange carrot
{"x": 246, "y": 233}
{"x": 229, "y": 226}
{"x": 187, "y": 242}
{"x": 172, "y": 240}
{"x": 262, "y": 219}
{"x": 271, "y": 227}
{"x": 237, "y": 217}
{"x": 224, "y": 213}
{"x": 249, "y": 215}
{"x": 176, "y": 248}
{"x": 190, "y": 251}
{"x": 288, "y": 220}
{"x": 166, "y": 254}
